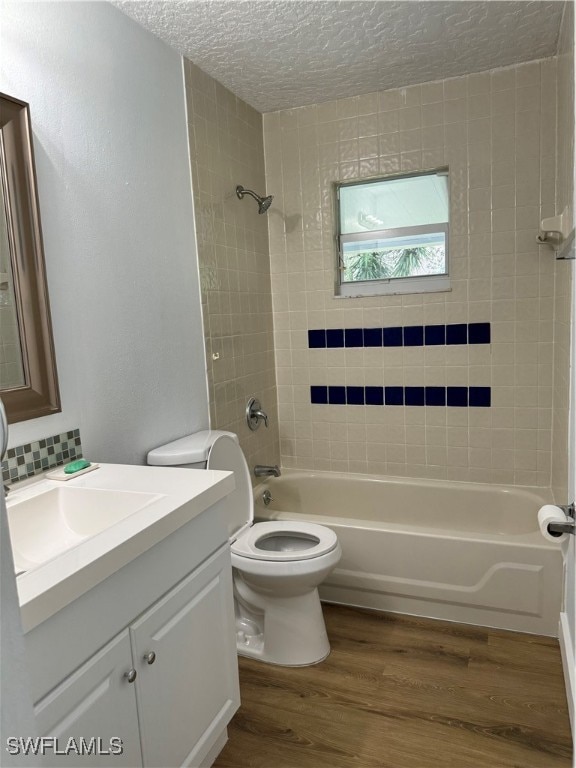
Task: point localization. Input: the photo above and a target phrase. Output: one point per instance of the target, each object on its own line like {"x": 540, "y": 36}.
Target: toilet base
{"x": 287, "y": 631}
{"x": 251, "y": 653}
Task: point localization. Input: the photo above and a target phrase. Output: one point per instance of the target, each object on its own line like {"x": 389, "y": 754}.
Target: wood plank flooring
{"x": 403, "y": 692}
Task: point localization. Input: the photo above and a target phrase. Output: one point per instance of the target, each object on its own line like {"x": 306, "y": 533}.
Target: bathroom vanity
{"x": 130, "y": 633}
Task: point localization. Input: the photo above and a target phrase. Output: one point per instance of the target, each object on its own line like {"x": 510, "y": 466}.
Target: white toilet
{"x": 277, "y": 566}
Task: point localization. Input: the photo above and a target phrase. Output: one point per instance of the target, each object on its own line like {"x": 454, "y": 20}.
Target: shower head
{"x": 263, "y": 202}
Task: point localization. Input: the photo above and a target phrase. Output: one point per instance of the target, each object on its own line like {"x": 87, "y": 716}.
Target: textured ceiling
{"x": 276, "y": 54}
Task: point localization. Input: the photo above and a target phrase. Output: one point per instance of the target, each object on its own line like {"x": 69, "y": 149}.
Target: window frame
{"x": 391, "y": 285}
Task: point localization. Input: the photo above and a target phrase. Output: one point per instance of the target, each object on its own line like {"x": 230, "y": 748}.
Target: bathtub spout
{"x": 262, "y": 470}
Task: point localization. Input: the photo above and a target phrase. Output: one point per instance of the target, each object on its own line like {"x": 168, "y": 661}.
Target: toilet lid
{"x": 226, "y": 454}
{"x": 285, "y": 540}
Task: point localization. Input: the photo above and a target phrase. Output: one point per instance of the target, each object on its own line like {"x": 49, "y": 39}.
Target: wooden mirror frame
{"x": 39, "y": 396}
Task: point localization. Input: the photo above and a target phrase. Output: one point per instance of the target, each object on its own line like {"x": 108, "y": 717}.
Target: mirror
{"x": 28, "y": 380}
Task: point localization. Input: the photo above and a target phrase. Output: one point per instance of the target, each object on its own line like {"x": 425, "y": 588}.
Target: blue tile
{"x": 392, "y": 337}
{"x": 457, "y": 396}
{"x": 337, "y": 395}
{"x": 355, "y": 395}
{"x": 334, "y": 338}
{"x": 413, "y": 336}
{"x": 394, "y": 395}
{"x": 434, "y": 335}
{"x": 353, "y": 337}
{"x": 479, "y": 333}
{"x": 457, "y": 334}
{"x": 479, "y": 397}
{"x": 414, "y": 395}
{"x": 435, "y": 395}
{"x": 317, "y": 339}
{"x": 374, "y": 395}
{"x": 319, "y": 395}
{"x": 372, "y": 337}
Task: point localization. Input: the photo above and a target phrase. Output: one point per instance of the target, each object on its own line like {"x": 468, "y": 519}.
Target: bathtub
{"x": 462, "y": 552}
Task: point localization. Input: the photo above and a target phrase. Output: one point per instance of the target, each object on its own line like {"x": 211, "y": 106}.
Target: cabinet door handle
{"x": 150, "y": 658}
{"x": 130, "y": 675}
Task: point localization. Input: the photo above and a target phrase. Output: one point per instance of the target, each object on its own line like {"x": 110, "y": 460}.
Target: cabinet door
{"x": 189, "y": 694}
{"x": 95, "y": 703}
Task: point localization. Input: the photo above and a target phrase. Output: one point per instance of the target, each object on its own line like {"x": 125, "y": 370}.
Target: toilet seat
{"x": 251, "y": 543}
{"x": 247, "y": 539}
{"x": 225, "y": 454}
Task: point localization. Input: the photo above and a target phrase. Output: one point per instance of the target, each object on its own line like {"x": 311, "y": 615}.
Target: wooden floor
{"x": 403, "y": 692}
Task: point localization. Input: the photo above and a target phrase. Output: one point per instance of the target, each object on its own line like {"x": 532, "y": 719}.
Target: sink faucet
{"x": 262, "y": 470}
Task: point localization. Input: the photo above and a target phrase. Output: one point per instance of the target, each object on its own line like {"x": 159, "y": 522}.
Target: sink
{"x": 67, "y": 538}
{"x": 49, "y": 523}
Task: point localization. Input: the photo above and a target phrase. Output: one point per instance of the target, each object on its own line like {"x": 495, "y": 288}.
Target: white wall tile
{"x": 489, "y": 128}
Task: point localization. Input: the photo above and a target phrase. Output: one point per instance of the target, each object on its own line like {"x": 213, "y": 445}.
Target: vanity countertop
{"x": 171, "y": 498}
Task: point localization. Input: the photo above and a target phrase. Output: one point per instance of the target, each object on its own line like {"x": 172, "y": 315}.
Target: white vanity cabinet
{"x": 95, "y": 701}
{"x": 189, "y": 692}
{"x": 165, "y": 680}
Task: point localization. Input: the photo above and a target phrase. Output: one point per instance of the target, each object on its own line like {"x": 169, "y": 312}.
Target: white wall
{"x": 568, "y": 617}
{"x": 566, "y": 315}
{"x": 108, "y": 114}
{"x": 570, "y": 566}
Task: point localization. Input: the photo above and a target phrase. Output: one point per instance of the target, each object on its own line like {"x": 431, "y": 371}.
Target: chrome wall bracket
{"x": 567, "y": 249}
{"x": 569, "y": 526}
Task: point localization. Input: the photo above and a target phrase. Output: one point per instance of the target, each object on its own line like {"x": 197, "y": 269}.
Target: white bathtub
{"x": 462, "y": 552}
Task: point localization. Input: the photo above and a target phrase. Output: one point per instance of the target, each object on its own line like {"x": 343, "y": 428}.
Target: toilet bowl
{"x": 276, "y": 566}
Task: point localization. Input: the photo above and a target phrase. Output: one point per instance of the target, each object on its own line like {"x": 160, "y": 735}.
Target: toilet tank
{"x": 190, "y": 451}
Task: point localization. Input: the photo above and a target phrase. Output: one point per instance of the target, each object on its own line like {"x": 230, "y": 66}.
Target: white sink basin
{"x": 58, "y": 519}
{"x": 69, "y": 537}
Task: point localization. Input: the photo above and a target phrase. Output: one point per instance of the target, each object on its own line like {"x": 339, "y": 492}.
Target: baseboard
{"x": 569, "y": 667}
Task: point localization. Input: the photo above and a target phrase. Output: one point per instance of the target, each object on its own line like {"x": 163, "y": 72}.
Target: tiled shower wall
{"x": 563, "y": 273}
{"x": 496, "y": 132}
{"x": 226, "y": 149}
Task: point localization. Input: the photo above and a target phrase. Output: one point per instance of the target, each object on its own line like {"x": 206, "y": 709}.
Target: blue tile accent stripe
{"x": 408, "y": 336}
{"x": 373, "y": 395}
{"x": 456, "y": 397}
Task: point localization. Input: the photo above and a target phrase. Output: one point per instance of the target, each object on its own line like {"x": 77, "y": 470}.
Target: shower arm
{"x": 263, "y": 202}
{"x": 240, "y": 191}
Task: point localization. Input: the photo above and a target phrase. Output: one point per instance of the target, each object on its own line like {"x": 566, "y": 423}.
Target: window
{"x": 393, "y": 235}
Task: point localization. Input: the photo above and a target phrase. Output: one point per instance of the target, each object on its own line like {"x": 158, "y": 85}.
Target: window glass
{"x": 394, "y": 230}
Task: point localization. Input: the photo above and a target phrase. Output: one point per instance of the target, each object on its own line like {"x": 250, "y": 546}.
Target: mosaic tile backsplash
{"x": 33, "y": 458}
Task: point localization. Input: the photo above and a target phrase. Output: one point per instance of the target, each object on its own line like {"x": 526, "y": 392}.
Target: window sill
{"x": 395, "y": 287}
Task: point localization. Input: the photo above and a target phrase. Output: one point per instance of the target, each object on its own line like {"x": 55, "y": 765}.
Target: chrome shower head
{"x": 263, "y": 202}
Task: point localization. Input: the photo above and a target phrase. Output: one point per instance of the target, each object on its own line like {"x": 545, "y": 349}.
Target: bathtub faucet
{"x": 262, "y": 470}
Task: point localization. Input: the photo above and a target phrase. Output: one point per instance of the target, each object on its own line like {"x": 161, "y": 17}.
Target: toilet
{"x": 276, "y": 566}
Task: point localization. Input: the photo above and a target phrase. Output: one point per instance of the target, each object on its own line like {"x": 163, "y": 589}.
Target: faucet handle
{"x": 255, "y": 414}
{"x": 262, "y": 415}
